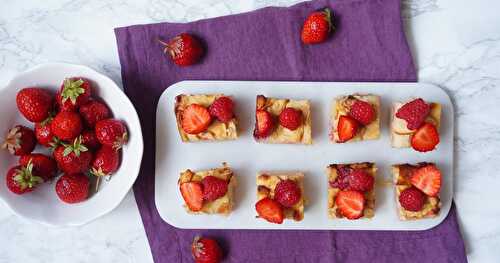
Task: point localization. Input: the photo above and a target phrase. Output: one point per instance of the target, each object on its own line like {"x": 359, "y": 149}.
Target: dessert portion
{"x": 208, "y": 191}
{"x": 417, "y": 190}
{"x": 205, "y": 117}
{"x": 351, "y": 192}
{"x": 282, "y": 121}
{"x": 355, "y": 118}
{"x": 280, "y": 195}
{"x": 416, "y": 124}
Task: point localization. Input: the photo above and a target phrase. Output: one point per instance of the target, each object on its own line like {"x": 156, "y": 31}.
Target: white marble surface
{"x": 456, "y": 44}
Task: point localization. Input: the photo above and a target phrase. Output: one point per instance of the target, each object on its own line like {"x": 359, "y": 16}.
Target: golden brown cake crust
{"x": 222, "y": 205}
{"x": 401, "y": 176}
{"x": 275, "y": 106}
{"x": 331, "y": 171}
{"x": 266, "y": 183}
{"x": 216, "y": 131}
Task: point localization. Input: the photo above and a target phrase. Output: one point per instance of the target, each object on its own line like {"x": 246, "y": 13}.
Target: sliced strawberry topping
{"x": 195, "y": 119}
{"x": 270, "y": 210}
{"x": 347, "y": 128}
{"x": 350, "y": 203}
{"x": 412, "y": 199}
{"x": 263, "y": 124}
{"x": 213, "y": 188}
{"x": 414, "y": 113}
{"x": 222, "y": 109}
{"x": 425, "y": 138}
{"x": 427, "y": 179}
{"x": 287, "y": 193}
{"x": 192, "y": 192}
{"x": 362, "y": 111}
{"x": 290, "y": 118}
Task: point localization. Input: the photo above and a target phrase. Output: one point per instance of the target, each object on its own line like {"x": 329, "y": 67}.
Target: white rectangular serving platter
{"x": 247, "y": 157}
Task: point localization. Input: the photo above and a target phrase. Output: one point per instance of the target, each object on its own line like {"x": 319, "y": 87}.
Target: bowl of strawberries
{"x": 72, "y": 144}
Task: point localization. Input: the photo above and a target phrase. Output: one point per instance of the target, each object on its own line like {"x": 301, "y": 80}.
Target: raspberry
{"x": 222, "y": 109}
{"x": 414, "y": 113}
{"x": 361, "y": 181}
{"x": 290, "y": 118}
{"x": 412, "y": 199}
{"x": 363, "y": 112}
{"x": 287, "y": 193}
{"x": 213, "y": 188}
{"x": 342, "y": 180}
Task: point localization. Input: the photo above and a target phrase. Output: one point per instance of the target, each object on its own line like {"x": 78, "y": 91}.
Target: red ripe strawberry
{"x": 74, "y": 92}
{"x": 20, "y": 140}
{"x": 213, "y": 188}
{"x": 290, "y": 118}
{"x": 195, "y": 119}
{"x": 347, "y": 128}
{"x": 270, "y": 210}
{"x": 363, "y": 112}
{"x": 73, "y": 188}
{"x": 287, "y": 193}
{"x": 66, "y": 125}
{"x": 20, "y": 179}
{"x": 427, "y": 179}
{"x": 206, "y": 250}
{"x": 192, "y": 193}
{"x": 106, "y": 161}
{"x": 43, "y": 166}
{"x": 111, "y": 132}
{"x": 264, "y": 124}
{"x": 34, "y": 103}
{"x": 222, "y": 109}
{"x": 73, "y": 158}
{"x": 44, "y": 135}
{"x": 359, "y": 180}
{"x": 351, "y": 204}
{"x": 425, "y": 138}
{"x": 414, "y": 113}
{"x": 94, "y": 111}
{"x": 317, "y": 27}
{"x": 89, "y": 139}
{"x": 184, "y": 49}
{"x": 412, "y": 199}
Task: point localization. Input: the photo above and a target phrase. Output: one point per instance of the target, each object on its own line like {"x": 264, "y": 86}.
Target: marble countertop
{"x": 456, "y": 45}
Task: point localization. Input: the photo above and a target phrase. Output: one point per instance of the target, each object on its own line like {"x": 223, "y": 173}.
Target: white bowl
{"x": 42, "y": 205}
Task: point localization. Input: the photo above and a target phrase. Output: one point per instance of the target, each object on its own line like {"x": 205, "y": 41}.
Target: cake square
{"x": 266, "y": 186}
{"x": 402, "y": 174}
{"x": 400, "y": 133}
{"x": 216, "y": 130}
{"x": 222, "y": 205}
{"x": 341, "y": 108}
{"x": 277, "y": 132}
{"x": 338, "y": 181}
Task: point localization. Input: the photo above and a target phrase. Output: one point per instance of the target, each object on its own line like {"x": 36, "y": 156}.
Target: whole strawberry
{"x": 20, "y": 179}
{"x": 106, "y": 161}
{"x": 111, "y": 132}
{"x": 43, "y": 166}
{"x": 73, "y": 158}
{"x": 94, "y": 111}
{"x": 206, "y": 250}
{"x": 44, "y": 135}
{"x": 90, "y": 140}
{"x": 73, "y": 188}
{"x": 20, "y": 140}
{"x": 74, "y": 92}
{"x": 66, "y": 125}
{"x": 184, "y": 49}
{"x": 34, "y": 104}
{"x": 317, "y": 27}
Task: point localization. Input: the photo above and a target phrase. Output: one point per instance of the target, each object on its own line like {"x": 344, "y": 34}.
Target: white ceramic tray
{"x": 247, "y": 157}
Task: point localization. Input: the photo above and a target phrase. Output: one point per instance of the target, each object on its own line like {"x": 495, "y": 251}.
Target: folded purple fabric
{"x": 368, "y": 45}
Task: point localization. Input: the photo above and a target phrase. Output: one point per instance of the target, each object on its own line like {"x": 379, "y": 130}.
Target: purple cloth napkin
{"x": 368, "y": 45}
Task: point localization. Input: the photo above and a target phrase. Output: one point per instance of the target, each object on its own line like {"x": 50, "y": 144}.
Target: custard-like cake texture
{"x": 216, "y": 130}
{"x": 223, "y": 204}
